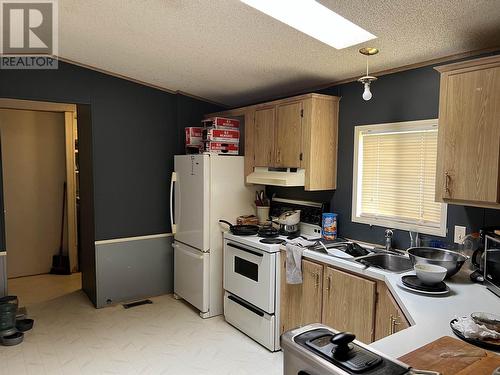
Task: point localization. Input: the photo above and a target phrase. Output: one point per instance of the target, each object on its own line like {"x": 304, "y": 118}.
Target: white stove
{"x": 252, "y": 276}
{"x": 255, "y": 241}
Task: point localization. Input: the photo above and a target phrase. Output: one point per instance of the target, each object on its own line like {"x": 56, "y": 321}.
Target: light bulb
{"x": 367, "y": 95}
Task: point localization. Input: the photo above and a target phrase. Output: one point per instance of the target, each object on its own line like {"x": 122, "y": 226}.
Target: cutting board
{"x": 441, "y": 355}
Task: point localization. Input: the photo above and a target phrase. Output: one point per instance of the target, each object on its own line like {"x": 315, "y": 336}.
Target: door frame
{"x": 70, "y": 127}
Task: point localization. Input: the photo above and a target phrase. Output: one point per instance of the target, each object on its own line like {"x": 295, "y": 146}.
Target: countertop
{"x": 429, "y": 316}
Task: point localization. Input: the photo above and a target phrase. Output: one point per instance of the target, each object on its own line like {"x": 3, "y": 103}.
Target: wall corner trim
{"x": 137, "y": 238}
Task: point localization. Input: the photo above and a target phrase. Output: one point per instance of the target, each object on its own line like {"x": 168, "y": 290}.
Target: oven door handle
{"x": 245, "y": 249}
{"x": 246, "y": 306}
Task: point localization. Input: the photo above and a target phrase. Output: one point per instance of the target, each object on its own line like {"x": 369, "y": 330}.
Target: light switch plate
{"x": 459, "y": 233}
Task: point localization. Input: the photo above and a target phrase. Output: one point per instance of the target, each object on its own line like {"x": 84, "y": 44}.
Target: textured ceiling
{"x": 227, "y": 52}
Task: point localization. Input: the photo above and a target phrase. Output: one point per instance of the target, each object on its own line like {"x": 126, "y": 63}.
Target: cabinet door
{"x": 300, "y": 304}
{"x": 389, "y": 318}
{"x": 288, "y": 135}
{"x": 264, "y": 137}
{"x": 349, "y": 304}
{"x": 471, "y": 131}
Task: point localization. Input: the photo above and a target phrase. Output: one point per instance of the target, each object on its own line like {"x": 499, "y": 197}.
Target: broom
{"x": 60, "y": 262}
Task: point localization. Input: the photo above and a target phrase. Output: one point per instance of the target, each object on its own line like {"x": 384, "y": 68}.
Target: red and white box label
{"x": 221, "y": 135}
{"x": 222, "y": 148}
{"x": 221, "y": 123}
{"x": 194, "y": 136}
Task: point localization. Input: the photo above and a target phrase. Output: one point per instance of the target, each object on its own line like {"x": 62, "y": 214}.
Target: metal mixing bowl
{"x": 448, "y": 259}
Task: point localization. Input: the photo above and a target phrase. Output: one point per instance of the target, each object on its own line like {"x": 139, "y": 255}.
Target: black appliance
{"x": 492, "y": 263}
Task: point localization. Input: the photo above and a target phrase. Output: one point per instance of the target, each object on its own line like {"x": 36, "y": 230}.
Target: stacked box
{"x": 221, "y": 148}
{"x": 194, "y": 140}
{"x": 221, "y": 135}
{"x": 221, "y": 123}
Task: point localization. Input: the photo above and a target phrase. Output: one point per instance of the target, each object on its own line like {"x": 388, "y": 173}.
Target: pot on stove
{"x": 289, "y": 217}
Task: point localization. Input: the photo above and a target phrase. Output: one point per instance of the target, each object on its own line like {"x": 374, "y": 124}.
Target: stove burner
{"x": 272, "y": 241}
{"x": 268, "y": 232}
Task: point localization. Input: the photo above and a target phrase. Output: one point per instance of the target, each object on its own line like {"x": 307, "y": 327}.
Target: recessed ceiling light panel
{"x": 314, "y": 19}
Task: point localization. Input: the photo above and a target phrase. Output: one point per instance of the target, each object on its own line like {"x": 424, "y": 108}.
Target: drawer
{"x": 252, "y": 321}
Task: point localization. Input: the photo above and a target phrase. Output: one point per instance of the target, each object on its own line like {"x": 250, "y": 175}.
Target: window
{"x": 394, "y": 177}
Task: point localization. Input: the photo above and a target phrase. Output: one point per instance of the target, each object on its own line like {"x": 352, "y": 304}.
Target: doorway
{"x": 40, "y": 198}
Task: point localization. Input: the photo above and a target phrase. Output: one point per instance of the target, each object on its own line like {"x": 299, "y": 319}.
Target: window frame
{"x": 387, "y": 222}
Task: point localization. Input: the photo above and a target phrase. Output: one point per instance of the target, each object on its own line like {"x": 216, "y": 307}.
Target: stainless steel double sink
{"x": 386, "y": 261}
{"x": 378, "y": 258}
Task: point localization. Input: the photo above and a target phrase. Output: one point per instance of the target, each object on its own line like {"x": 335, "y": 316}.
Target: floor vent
{"x": 137, "y": 303}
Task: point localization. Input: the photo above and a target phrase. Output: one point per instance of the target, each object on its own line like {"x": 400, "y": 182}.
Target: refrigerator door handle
{"x": 187, "y": 252}
{"x": 173, "y": 179}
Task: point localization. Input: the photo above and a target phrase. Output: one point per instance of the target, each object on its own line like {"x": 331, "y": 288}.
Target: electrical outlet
{"x": 459, "y": 234}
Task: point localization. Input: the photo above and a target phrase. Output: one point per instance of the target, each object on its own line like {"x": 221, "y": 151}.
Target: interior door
{"x": 264, "y": 137}
{"x": 3, "y": 247}
{"x": 472, "y": 136}
{"x": 349, "y": 304}
{"x": 192, "y": 200}
{"x": 289, "y": 135}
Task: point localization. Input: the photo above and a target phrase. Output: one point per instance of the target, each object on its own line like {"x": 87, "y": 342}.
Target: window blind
{"x": 397, "y": 176}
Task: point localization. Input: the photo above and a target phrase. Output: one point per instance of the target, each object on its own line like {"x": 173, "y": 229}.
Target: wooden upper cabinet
{"x": 288, "y": 135}
{"x": 297, "y": 132}
{"x": 349, "y": 303}
{"x": 263, "y": 136}
{"x": 468, "y": 161}
{"x": 300, "y": 304}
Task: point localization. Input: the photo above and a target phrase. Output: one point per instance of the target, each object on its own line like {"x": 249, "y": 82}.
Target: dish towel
{"x": 294, "y": 263}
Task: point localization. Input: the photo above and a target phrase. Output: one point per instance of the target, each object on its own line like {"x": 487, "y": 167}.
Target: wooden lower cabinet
{"x": 389, "y": 318}
{"x": 340, "y": 300}
{"x": 349, "y": 303}
{"x": 300, "y": 304}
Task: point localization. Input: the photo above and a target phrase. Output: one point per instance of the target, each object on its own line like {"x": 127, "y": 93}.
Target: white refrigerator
{"x": 205, "y": 188}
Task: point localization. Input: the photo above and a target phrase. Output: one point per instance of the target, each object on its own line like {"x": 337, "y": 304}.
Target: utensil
{"x": 289, "y": 217}
{"x": 13, "y": 339}
{"x": 241, "y": 230}
{"x": 412, "y": 281}
{"x": 24, "y": 325}
{"x": 263, "y": 214}
{"x": 430, "y": 274}
{"x": 492, "y": 345}
{"x": 490, "y": 321}
{"x": 451, "y": 260}
{"x": 426, "y": 292}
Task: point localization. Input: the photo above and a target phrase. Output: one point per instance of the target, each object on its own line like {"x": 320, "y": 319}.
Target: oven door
{"x": 250, "y": 274}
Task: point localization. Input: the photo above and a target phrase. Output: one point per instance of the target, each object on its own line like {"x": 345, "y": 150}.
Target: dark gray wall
{"x": 405, "y": 96}
{"x": 131, "y": 132}
{"x": 135, "y": 132}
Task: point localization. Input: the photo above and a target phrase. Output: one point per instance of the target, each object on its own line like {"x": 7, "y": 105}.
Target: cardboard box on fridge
{"x": 221, "y": 123}
{"x": 194, "y": 136}
{"x": 221, "y": 135}
{"x": 221, "y": 148}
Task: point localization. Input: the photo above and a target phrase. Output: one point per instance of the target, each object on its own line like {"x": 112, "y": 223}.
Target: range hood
{"x": 277, "y": 176}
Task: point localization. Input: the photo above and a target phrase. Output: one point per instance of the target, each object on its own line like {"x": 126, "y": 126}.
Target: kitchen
{"x": 131, "y": 182}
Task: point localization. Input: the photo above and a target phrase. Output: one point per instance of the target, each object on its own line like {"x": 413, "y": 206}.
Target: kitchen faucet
{"x": 388, "y": 239}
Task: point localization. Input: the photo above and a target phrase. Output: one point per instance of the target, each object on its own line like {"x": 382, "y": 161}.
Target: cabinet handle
{"x": 392, "y": 326}
{"x": 278, "y": 155}
{"x": 317, "y": 280}
{"x": 447, "y": 179}
{"x": 329, "y": 284}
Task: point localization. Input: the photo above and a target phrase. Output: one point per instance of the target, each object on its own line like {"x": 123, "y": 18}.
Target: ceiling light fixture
{"x": 314, "y": 19}
{"x": 367, "y": 79}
